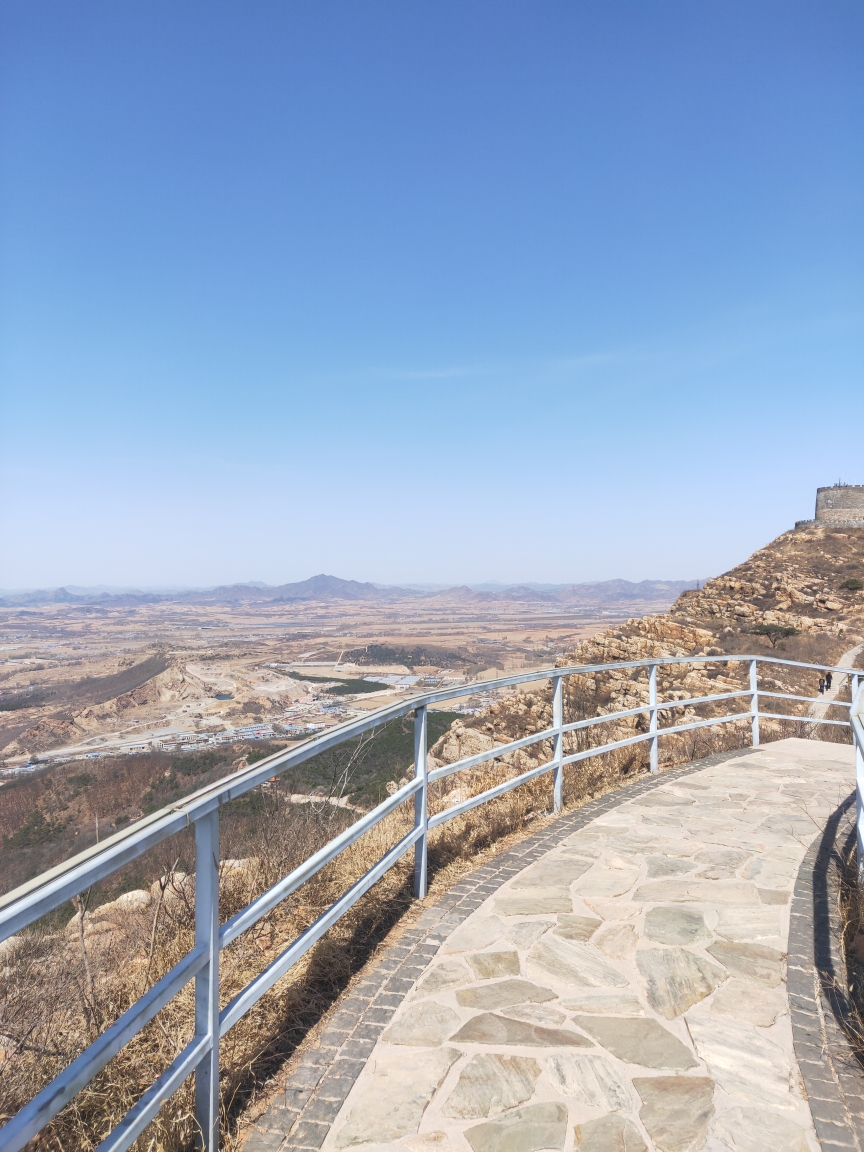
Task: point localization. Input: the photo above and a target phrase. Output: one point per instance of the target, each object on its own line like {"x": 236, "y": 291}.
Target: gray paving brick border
{"x": 821, "y": 1010}
{"x": 300, "y": 1116}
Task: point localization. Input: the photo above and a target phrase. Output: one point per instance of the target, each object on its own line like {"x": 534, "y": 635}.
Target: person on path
{"x": 828, "y": 680}
{"x": 821, "y": 685}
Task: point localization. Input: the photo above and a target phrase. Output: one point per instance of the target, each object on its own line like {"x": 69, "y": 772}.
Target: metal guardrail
{"x": 31, "y": 901}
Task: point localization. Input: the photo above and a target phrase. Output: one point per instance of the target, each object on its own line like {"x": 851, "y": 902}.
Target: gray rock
{"x": 742, "y": 1060}
{"x": 491, "y": 965}
{"x": 523, "y": 1130}
{"x": 748, "y": 923}
{"x": 475, "y": 934}
{"x": 534, "y": 903}
{"x": 422, "y": 1025}
{"x": 554, "y": 872}
{"x": 574, "y": 963}
{"x": 676, "y": 1110}
{"x": 397, "y": 1096}
{"x": 637, "y": 1041}
{"x": 722, "y": 858}
{"x": 675, "y": 926}
{"x": 697, "y": 891}
{"x": 537, "y": 1014}
{"x": 748, "y": 1002}
{"x": 676, "y": 979}
{"x": 579, "y": 928}
{"x": 756, "y": 962}
{"x": 616, "y": 940}
{"x": 504, "y": 994}
{"x": 769, "y": 896}
{"x": 660, "y": 798}
{"x": 491, "y": 1084}
{"x": 591, "y": 1079}
{"x": 450, "y": 974}
{"x": 607, "y": 882}
{"x": 526, "y": 933}
{"x": 609, "y": 1134}
{"x": 758, "y": 1129}
{"x": 604, "y": 1003}
{"x": 491, "y": 1029}
{"x": 662, "y": 866}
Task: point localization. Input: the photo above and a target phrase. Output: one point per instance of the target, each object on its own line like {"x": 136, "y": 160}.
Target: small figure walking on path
{"x": 828, "y": 680}
{"x": 821, "y": 685}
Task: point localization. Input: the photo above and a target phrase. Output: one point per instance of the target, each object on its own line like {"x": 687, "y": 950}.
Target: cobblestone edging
{"x": 301, "y": 1115}
{"x": 816, "y": 985}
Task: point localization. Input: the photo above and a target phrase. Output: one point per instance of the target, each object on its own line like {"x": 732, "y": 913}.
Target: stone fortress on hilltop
{"x": 840, "y": 506}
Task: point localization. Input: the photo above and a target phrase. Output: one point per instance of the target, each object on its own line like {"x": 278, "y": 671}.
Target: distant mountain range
{"x": 597, "y": 593}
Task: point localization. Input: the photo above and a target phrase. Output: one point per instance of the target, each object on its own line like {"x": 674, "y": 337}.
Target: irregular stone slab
{"x": 749, "y": 1002}
{"x": 742, "y": 1060}
{"x": 637, "y": 1041}
{"x": 397, "y": 1096}
{"x": 607, "y": 882}
{"x": 574, "y": 963}
{"x": 767, "y": 896}
{"x": 579, "y": 928}
{"x": 450, "y": 974}
{"x": 759, "y": 1129}
{"x": 676, "y": 979}
{"x": 537, "y": 1014}
{"x": 772, "y": 873}
{"x": 491, "y": 965}
{"x": 533, "y": 903}
{"x": 422, "y": 1025}
{"x": 756, "y": 962}
{"x": 554, "y": 872}
{"x": 527, "y": 933}
{"x": 660, "y": 798}
{"x": 722, "y": 858}
{"x": 675, "y": 926}
{"x": 616, "y": 940}
{"x": 588, "y": 842}
{"x": 524, "y": 1130}
{"x": 490, "y": 1084}
{"x": 660, "y": 866}
{"x": 697, "y": 892}
{"x": 676, "y": 1110}
{"x": 475, "y": 934}
{"x": 748, "y": 923}
{"x": 592, "y": 1079}
{"x": 435, "y": 1141}
{"x": 609, "y": 1134}
{"x": 503, "y": 995}
{"x": 606, "y": 1003}
{"x": 491, "y": 1029}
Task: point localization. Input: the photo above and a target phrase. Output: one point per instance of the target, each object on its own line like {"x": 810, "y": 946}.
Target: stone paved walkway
{"x": 624, "y": 992}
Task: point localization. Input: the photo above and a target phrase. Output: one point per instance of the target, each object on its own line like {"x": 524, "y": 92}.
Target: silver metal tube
{"x": 421, "y": 802}
{"x": 654, "y": 756}
{"x": 558, "y": 742}
{"x": 492, "y": 754}
{"x": 207, "y": 980}
{"x": 754, "y": 703}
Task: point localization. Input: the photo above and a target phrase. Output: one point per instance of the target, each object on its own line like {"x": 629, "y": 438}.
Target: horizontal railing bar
{"x": 806, "y": 719}
{"x": 84, "y": 869}
{"x": 268, "y": 900}
{"x": 265, "y": 980}
{"x": 56, "y": 1095}
{"x": 806, "y": 699}
{"x": 706, "y": 723}
{"x": 587, "y": 753}
{"x": 489, "y": 794}
{"x": 576, "y": 725}
{"x": 156, "y": 1097}
{"x": 668, "y": 705}
{"x": 490, "y": 754}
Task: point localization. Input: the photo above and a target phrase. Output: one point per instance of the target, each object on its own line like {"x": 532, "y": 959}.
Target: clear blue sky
{"x": 424, "y": 291}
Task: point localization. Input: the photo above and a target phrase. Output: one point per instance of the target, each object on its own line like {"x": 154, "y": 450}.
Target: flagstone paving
{"x": 624, "y": 993}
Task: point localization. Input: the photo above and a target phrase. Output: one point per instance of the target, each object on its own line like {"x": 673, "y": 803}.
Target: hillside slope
{"x": 809, "y": 580}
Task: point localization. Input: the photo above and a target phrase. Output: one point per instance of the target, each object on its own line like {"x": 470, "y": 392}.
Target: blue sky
{"x": 424, "y": 292}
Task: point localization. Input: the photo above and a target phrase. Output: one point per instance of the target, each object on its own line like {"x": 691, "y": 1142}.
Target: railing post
{"x": 207, "y": 980}
{"x": 558, "y": 741}
{"x": 652, "y": 716}
{"x": 857, "y": 699}
{"x": 754, "y": 703}
{"x": 421, "y": 803}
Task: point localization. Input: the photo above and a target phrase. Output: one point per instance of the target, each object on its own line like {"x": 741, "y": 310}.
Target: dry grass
{"x": 59, "y": 990}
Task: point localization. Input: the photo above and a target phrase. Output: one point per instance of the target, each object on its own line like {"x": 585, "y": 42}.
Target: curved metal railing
{"x": 35, "y": 899}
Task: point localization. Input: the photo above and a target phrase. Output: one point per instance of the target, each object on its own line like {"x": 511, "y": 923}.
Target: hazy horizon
{"x": 558, "y": 292}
